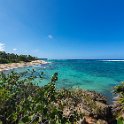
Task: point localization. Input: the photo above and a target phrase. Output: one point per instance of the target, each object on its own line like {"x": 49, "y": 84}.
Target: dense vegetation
{"x": 14, "y": 58}
{"x": 119, "y": 103}
{"x": 23, "y": 102}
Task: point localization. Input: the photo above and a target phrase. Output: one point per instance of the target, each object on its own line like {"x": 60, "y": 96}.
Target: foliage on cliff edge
{"x": 119, "y": 102}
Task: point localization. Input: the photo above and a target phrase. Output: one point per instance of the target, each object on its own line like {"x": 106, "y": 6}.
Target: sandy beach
{"x": 4, "y": 67}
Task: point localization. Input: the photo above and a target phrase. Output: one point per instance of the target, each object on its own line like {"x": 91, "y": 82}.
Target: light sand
{"x": 9, "y": 66}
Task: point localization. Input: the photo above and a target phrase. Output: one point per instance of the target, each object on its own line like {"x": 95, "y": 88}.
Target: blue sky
{"x": 63, "y": 28}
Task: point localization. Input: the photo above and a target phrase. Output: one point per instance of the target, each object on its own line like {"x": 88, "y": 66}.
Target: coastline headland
{"x": 8, "y": 66}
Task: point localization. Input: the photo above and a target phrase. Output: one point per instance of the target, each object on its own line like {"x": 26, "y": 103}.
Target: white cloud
{"x": 50, "y": 36}
{"x": 2, "y": 46}
{"x": 14, "y": 49}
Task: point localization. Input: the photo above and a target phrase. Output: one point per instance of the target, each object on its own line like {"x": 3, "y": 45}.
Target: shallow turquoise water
{"x": 96, "y": 75}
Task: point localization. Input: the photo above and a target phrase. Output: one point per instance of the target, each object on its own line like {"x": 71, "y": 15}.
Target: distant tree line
{"x": 14, "y": 58}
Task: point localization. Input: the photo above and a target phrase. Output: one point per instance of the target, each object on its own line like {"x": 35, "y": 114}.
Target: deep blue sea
{"x": 98, "y": 75}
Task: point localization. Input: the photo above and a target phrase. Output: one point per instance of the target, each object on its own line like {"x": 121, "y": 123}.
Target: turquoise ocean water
{"x": 98, "y": 75}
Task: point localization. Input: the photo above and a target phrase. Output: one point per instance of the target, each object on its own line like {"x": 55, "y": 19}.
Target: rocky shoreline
{"x": 5, "y": 67}
{"x": 91, "y": 105}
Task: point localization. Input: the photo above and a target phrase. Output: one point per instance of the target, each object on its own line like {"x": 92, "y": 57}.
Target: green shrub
{"x": 22, "y": 102}
{"x": 119, "y": 102}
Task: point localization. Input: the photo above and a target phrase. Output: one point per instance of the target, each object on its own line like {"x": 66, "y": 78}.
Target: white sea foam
{"x": 114, "y": 60}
